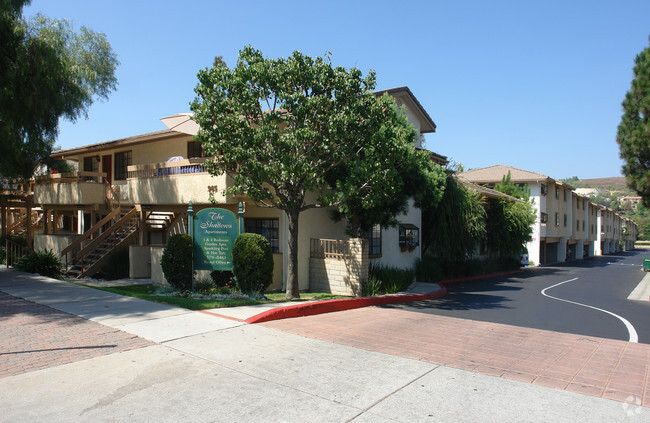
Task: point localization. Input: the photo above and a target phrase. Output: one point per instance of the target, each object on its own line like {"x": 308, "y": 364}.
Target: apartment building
{"x": 568, "y": 226}
{"x": 134, "y": 192}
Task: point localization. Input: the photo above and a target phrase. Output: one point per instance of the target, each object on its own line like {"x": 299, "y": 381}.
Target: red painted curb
{"x": 473, "y": 278}
{"x": 328, "y": 306}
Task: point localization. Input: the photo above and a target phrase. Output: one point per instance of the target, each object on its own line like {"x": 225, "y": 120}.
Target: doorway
{"x": 107, "y": 167}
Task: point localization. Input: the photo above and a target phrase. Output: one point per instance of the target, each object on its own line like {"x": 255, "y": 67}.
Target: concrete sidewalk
{"x": 206, "y": 368}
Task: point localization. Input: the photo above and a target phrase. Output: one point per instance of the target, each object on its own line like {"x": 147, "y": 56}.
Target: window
{"x": 268, "y": 228}
{"x": 583, "y": 225}
{"x": 557, "y": 193}
{"x": 409, "y": 235}
{"x": 564, "y": 193}
{"x": 592, "y": 228}
{"x": 122, "y": 161}
{"x": 565, "y": 220}
{"x": 194, "y": 149}
{"x": 557, "y": 219}
{"x": 544, "y": 189}
{"x": 91, "y": 164}
{"x": 577, "y": 224}
{"x": 544, "y": 217}
{"x": 374, "y": 241}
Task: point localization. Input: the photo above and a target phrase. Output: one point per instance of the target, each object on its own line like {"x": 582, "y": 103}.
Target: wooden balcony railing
{"x": 330, "y": 248}
{"x": 80, "y": 176}
{"x": 157, "y": 170}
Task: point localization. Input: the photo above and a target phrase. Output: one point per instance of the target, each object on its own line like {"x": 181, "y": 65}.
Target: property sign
{"x": 214, "y": 234}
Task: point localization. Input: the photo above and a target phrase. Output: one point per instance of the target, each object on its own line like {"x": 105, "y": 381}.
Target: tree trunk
{"x": 293, "y": 289}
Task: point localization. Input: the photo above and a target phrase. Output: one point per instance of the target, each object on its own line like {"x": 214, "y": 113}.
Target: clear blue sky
{"x": 536, "y": 85}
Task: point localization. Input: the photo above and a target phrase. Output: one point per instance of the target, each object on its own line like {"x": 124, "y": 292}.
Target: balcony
{"x": 174, "y": 183}
{"x": 71, "y": 188}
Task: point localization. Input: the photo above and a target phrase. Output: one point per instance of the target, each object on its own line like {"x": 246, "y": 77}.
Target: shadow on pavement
{"x": 459, "y": 301}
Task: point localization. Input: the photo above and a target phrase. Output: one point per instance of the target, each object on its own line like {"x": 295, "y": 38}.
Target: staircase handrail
{"x": 91, "y": 246}
{"x": 177, "y": 219}
{"x": 112, "y": 197}
{"x": 90, "y": 232}
{"x": 14, "y": 251}
{"x": 17, "y": 223}
{"x": 96, "y": 266}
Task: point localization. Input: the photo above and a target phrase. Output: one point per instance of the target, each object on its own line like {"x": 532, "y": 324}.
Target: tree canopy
{"x": 288, "y": 127}
{"x": 633, "y": 135}
{"x": 506, "y": 186}
{"x": 398, "y": 173}
{"x": 47, "y": 72}
{"x": 509, "y": 223}
{"x": 454, "y": 227}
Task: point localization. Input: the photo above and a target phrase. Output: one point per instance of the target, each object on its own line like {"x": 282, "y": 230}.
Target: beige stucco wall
{"x": 156, "y": 151}
{"x": 392, "y": 254}
{"x": 139, "y": 261}
{"x": 278, "y": 280}
{"x": 557, "y": 204}
{"x": 593, "y": 220}
{"x": 176, "y": 189}
{"x": 313, "y": 223}
{"x": 70, "y": 193}
{"x": 579, "y": 212}
{"x": 55, "y": 243}
{"x": 157, "y": 275}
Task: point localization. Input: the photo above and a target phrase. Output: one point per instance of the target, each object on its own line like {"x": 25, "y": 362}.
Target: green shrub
{"x": 371, "y": 287}
{"x": 117, "y": 265}
{"x": 222, "y": 277}
{"x": 428, "y": 269}
{"x": 252, "y": 263}
{"x": 44, "y": 262}
{"x": 176, "y": 261}
{"x": 387, "y": 280}
{"x": 431, "y": 269}
{"x": 204, "y": 285}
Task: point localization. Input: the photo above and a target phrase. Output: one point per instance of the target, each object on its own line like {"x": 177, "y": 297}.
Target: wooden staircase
{"x": 90, "y": 259}
{"x": 159, "y": 221}
{"x": 20, "y": 227}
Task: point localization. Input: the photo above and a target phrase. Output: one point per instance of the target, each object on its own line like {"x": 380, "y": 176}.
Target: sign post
{"x": 241, "y": 217}
{"x": 214, "y": 232}
{"x": 190, "y": 224}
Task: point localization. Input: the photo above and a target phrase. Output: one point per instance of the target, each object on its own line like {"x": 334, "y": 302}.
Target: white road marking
{"x": 642, "y": 290}
{"x": 630, "y": 329}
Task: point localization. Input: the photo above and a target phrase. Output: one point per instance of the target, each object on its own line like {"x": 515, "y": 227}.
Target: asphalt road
{"x": 602, "y": 282}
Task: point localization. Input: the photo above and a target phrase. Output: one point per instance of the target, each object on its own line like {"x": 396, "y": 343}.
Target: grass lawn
{"x": 147, "y": 292}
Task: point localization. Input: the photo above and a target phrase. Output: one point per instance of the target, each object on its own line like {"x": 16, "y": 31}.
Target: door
{"x": 107, "y": 167}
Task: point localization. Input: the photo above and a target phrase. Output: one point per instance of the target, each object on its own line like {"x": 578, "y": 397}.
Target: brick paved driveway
{"x": 34, "y": 336}
{"x": 587, "y": 365}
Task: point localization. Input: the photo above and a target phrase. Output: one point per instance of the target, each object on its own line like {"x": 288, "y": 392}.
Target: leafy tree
{"x": 399, "y": 173}
{"x": 633, "y": 135}
{"x": 47, "y": 72}
{"x": 506, "y": 186}
{"x": 509, "y": 225}
{"x": 453, "y": 228}
{"x": 279, "y": 127}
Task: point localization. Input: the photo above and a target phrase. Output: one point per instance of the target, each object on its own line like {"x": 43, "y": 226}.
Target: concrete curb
{"x": 328, "y": 306}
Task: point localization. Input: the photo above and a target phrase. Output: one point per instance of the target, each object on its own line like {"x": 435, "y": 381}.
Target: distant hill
{"x": 617, "y": 181}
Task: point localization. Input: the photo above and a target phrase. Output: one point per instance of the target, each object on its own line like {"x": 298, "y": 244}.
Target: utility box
{"x": 646, "y": 263}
